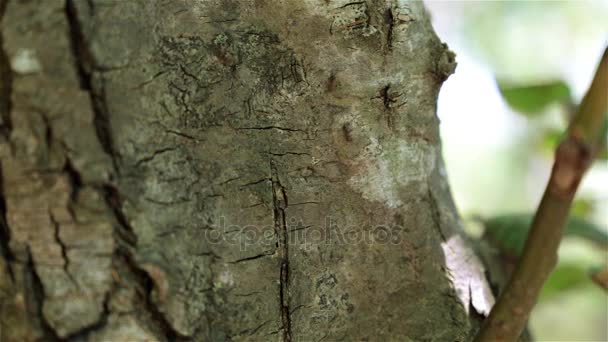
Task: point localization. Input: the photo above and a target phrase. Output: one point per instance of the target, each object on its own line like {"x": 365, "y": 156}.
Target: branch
{"x": 572, "y": 159}
{"x": 601, "y": 278}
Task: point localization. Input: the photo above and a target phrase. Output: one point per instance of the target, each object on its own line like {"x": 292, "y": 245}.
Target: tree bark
{"x": 227, "y": 170}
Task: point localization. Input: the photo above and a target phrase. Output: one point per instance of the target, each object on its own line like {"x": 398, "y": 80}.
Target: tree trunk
{"x": 214, "y": 170}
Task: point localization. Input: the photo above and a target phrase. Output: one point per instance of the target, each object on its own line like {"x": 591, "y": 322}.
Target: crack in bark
{"x": 83, "y": 333}
{"x": 6, "y": 83}
{"x": 63, "y": 247}
{"x": 387, "y": 102}
{"x": 85, "y": 65}
{"x": 83, "y": 59}
{"x": 127, "y": 240}
{"x": 390, "y": 25}
{"x": 6, "y": 89}
{"x": 74, "y": 178}
{"x": 154, "y": 154}
{"x": 123, "y": 232}
{"x": 282, "y": 154}
{"x": 6, "y": 80}
{"x": 280, "y": 202}
{"x": 255, "y": 182}
{"x": 254, "y": 257}
{"x": 5, "y": 233}
{"x": 251, "y": 331}
{"x": 264, "y": 128}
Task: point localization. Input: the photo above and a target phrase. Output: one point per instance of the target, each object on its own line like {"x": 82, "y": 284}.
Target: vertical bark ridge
{"x": 35, "y": 299}
{"x": 85, "y": 66}
{"x": 124, "y": 234}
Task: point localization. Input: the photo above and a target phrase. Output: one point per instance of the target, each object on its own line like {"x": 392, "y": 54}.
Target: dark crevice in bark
{"x": 254, "y": 257}
{"x": 353, "y": 4}
{"x": 154, "y": 154}
{"x": 5, "y": 233}
{"x": 91, "y": 4}
{"x": 249, "y": 332}
{"x": 123, "y": 233}
{"x": 387, "y": 103}
{"x": 74, "y": 178}
{"x": 347, "y": 130}
{"x": 145, "y": 286}
{"x": 6, "y": 80}
{"x": 85, "y": 65}
{"x": 280, "y": 202}
{"x": 35, "y": 299}
{"x": 390, "y": 24}
{"x": 82, "y": 57}
{"x": 48, "y": 132}
{"x": 286, "y": 129}
{"x": 127, "y": 241}
{"x": 6, "y": 84}
{"x": 35, "y": 292}
{"x": 5, "y": 109}
{"x": 83, "y": 334}
{"x": 62, "y": 246}
{"x": 101, "y": 121}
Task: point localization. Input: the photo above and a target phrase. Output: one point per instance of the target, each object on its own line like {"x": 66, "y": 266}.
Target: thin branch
{"x": 601, "y": 278}
{"x": 572, "y": 159}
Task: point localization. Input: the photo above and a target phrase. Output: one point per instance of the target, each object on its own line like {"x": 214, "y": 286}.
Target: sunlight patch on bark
{"x": 25, "y": 62}
{"x": 387, "y": 168}
{"x": 467, "y": 276}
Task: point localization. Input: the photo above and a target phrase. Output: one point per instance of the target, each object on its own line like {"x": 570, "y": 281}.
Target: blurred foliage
{"x": 508, "y": 232}
{"x": 565, "y": 277}
{"x": 541, "y": 55}
{"x": 582, "y": 207}
{"x": 534, "y": 99}
{"x": 550, "y": 139}
{"x": 524, "y": 39}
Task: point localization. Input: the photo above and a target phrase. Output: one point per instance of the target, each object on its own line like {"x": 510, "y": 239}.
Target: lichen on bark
{"x": 228, "y": 170}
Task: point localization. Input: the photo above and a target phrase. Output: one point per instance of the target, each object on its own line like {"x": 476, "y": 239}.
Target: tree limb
{"x": 572, "y": 159}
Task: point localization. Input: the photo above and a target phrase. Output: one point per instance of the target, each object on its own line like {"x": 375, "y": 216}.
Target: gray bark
{"x": 227, "y": 170}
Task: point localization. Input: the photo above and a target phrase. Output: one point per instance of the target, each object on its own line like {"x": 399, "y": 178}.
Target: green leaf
{"x": 551, "y": 139}
{"x": 533, "y": 99}
{"x": 582, "y": 207}
{"x": 565, "y": 277}
{"x": 508, "y": 232}
{"x": 582, "y": 228}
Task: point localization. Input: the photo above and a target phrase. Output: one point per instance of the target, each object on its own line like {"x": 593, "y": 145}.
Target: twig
{"x": 572, "y": 159}
{"x": 601, "y": 278}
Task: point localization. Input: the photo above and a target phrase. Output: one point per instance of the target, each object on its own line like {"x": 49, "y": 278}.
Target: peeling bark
{"x": 149, "y": 149}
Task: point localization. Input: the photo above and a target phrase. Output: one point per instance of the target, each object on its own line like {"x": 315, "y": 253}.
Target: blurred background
{"x": 522, "y": 65}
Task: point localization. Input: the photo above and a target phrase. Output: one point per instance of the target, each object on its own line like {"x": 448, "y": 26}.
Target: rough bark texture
{"x": 227, "y": 170}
